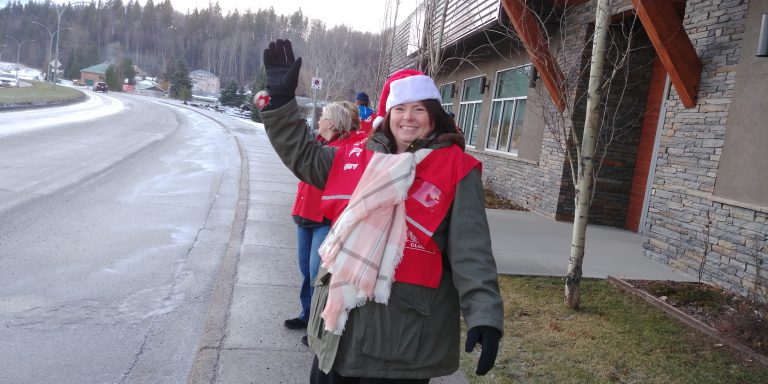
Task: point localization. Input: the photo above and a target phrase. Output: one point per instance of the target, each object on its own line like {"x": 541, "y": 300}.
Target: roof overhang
{"x": 664, "y": 25}
{"x": 662, "y": 21}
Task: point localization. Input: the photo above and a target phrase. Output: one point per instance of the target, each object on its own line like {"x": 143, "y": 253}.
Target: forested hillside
{"x": 153, "y": 36}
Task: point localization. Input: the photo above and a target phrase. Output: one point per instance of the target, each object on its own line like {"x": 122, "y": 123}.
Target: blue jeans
{"x": 309, "y": 239}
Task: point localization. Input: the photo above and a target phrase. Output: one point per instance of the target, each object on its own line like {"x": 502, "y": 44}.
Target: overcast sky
{"x": 361, "y": 15}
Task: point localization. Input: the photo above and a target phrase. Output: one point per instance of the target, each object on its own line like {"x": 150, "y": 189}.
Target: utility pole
{"x": 60, "y": 12}
{"x": 58, "y": 29}
{"x": 314, "y": 101}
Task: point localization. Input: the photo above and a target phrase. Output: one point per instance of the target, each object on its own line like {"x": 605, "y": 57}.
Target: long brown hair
{"x": 437, "y": 116}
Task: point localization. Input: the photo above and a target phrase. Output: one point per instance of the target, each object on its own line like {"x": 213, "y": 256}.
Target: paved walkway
{"x": 253, "y": 346}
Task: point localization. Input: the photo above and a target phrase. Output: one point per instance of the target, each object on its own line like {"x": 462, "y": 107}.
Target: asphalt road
{"x": 113, "y": 220}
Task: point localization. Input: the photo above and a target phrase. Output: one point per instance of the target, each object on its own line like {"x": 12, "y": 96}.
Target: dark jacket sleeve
{"x": 301, "y": 153}
{"x": 471, "y": 257}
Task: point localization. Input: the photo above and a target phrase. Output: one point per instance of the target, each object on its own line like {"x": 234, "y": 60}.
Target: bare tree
{"x": 585, "y": 125}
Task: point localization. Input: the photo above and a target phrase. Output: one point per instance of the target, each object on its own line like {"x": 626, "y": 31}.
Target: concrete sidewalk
{"x": 245, "y": 340}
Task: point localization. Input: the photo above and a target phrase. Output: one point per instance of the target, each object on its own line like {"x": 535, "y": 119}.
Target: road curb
{"x": 206, "y": 364}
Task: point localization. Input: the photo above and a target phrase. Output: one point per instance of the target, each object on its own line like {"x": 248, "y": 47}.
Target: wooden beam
{"x": 665, "y": 29}
{"x": 527, "y": 26}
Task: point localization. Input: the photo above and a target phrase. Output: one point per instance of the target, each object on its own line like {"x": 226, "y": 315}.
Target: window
{"x": 446, "y": 96}
{"x": 469, "y": 108}
{"x": 508, "y": 110}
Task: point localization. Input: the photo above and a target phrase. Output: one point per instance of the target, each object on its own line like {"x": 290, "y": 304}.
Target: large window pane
{"x": 463, "y": 117}
{"x": 475, "y": 113}
{"x": 493, "y": 129}
{"x": 472, "y": 90}
{"x": 446, "y": 93}
{"x": 518, "y": 124}
{"x": 512, "y": 83}
{"x": 506, "y": 122}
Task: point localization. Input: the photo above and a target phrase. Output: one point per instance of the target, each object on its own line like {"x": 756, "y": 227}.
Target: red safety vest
{"x": 429, "y": 199}
{"x": 307, "y": 203}
{"x": 366, "y": 125}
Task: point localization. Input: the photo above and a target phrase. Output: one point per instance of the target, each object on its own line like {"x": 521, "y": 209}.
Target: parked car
{"x": 7, "y": 80}
{"x": 101, "y": 87}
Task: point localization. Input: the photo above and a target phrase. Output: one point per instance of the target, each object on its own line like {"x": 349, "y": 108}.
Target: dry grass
{"x": 38, "y": 93}
{"x": 494, "y": 201}
{"x": 614, "y": 338}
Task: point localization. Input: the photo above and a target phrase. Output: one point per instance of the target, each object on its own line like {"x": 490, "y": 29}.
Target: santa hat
{"x": 405, "y": 86}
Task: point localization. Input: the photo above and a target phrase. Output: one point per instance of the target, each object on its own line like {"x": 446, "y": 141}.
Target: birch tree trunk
{"x": 585, "y": 186}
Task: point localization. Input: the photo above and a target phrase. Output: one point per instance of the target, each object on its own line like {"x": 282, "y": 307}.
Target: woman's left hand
{"x": 488, "y": 337}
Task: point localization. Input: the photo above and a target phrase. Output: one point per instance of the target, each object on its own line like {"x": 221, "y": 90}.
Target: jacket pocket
{"x": 393, "y": 331}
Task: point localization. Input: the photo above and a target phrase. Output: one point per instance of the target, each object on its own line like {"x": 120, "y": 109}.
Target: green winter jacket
{"x": 416, "y": 335}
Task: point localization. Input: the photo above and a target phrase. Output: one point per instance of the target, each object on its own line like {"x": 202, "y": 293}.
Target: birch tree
{"x": 612, "y": 53}
{"x": 586, "y": 158}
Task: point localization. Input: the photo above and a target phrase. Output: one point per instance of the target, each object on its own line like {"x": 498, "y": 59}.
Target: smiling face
{"x": 409, "y": 122}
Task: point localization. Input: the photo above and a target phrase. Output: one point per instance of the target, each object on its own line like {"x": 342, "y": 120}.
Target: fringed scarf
{"x": 366, "y": 242}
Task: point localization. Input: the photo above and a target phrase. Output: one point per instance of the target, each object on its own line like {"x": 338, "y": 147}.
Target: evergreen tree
{"x": 241, "y": 97}
{"x": 184, "y": 94}
{"x": 181, "y": 80}
{"x": 127, "y": 71}
{"x": 229, "y": 95}
{"x": 113, "y": 79}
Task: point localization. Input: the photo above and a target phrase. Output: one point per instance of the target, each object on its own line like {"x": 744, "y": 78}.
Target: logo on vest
{"x": 348, "y": 166}
{"x": 412, "y": 242}
{"x": 355, "y": 151}
{"x": 426, "y": 193}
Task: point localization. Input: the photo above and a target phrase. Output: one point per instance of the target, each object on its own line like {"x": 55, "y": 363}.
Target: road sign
{"x": 317, "y": 83}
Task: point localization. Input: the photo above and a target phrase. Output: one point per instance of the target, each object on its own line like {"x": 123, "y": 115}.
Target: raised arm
{"x": 300, "y": 152}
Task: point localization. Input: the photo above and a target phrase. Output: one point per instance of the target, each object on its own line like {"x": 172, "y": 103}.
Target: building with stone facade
{"x": 685, "y": 117}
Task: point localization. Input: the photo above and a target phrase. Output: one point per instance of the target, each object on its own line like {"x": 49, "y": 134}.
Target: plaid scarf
{"x": 366, "y": 243}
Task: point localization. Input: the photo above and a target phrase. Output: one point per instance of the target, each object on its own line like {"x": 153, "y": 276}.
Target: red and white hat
{"x": 405, "y": 86}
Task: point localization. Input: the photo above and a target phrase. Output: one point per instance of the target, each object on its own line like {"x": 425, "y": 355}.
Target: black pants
{"x": 316, "y": 376}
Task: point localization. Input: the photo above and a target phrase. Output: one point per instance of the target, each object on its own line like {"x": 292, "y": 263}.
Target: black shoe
{"x": 304, "y": 340}
{"x": 295, "y": 323}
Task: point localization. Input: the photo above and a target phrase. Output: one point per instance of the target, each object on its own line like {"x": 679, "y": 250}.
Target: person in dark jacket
{"x": 409, "y": 249}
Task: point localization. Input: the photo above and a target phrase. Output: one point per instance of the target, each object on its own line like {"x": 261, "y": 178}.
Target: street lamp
{"x": 18, "y": 54}
{"x": 19, "y": 44}
{"x": 48, "y": 58}
{"x": 50, "y": 46}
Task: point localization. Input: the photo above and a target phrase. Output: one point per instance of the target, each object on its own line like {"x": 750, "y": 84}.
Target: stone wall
{"x": 718, "y": 240}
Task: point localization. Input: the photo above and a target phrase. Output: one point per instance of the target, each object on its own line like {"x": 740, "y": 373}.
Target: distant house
{"x": 150, "y": 88}
{"x": 94, "y": 73}
{"x": 205, "y": 83}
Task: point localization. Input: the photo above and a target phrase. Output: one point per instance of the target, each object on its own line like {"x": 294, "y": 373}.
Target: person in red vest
{"x": 367, "y": 116}
{"x": 409, "y": 250}
{"x": 336, "y": 127}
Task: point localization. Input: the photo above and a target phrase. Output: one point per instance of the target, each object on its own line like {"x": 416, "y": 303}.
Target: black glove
{"x": 282, "y": 73}
{"x": 488, "y": 337}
